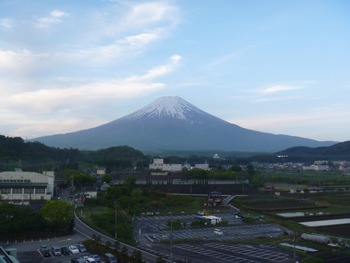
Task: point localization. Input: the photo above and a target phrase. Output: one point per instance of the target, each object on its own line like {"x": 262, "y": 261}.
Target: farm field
{"x": 304, "y": 208}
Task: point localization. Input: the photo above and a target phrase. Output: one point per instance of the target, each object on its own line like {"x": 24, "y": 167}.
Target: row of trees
{"x": 54, "y": 218}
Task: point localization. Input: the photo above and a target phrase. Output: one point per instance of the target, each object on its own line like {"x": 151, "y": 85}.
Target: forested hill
{"x": 15, "y": 148}
{"x": 335, "y": 152}
{"x": 15, "y": 152}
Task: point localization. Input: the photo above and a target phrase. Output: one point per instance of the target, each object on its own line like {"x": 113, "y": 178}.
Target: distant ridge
{"x": 172, "y": 123}
{"x": 338, "y": 150}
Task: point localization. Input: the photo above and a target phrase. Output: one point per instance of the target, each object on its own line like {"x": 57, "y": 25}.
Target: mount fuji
{"x": 172, "y": 123}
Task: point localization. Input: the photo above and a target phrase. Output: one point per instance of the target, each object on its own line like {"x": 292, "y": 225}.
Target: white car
{"x": 73, "y": 249}
{"x": 89, "y": 259}
{"x": 218, "y": 232}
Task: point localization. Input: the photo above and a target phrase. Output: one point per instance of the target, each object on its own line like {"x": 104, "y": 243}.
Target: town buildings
{"x": 159, "y": 164}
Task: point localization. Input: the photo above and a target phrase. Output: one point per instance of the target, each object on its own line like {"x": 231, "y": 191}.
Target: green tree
{"x": 18, "y": 221}
{"x": 312, "y": 259}
{"x": 251, "y": 170}
{"x": 137, "y": 255}
{"x": 106, "y": 178}
{"x": 57, "y": 215}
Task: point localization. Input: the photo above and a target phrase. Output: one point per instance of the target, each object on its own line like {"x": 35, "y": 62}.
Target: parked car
{"x": 97, "y": 258}
{"x": 45, "y": 251}
{"x": 89, "y": 259}
{"x": 82, "y": 248}
{"x": 56, "y": 251}
{"x": 65, "y": 251}
{"x": 109, "y": 258}
{"x": 218, "y": 232}
{"x": 73, "y": 249}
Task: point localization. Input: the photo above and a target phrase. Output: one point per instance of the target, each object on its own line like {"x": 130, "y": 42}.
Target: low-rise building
{"x": 316, "y": 167}
{"x": 158, "y": 164}
{"x": 22, "y": 187}
{"x": 101, "y": 171}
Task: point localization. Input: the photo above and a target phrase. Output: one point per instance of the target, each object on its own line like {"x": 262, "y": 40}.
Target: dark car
{"x": 65, "y": 251}
{"x": 77, "y": 260}
{"x": 45, "y": 251}
{"x": 110, "y": 258}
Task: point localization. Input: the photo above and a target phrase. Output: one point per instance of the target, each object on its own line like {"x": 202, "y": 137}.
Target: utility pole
{"x": 30, "y": 192}
{"x": 171, "y": 236}
{"x": 116, "y": 220}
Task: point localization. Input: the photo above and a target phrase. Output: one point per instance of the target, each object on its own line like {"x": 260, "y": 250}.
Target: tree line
{"x": 54, "y": 218}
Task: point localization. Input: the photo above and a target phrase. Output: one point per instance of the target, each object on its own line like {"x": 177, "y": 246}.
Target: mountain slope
{"x": 171, "y": 123}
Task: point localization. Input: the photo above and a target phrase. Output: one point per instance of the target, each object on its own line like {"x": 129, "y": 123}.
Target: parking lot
{"x": 36, "y": 256}
{"x": 155, "y": 229}
{"x": 33, "y": 252}
{"x": 226, "y": 252}
{"x": 206, "y": 245}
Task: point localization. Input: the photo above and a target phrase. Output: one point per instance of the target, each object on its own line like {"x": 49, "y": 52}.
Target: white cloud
{"x": 162, "y": 70}
{"x": 229, "y": 57}
{"x": 145, "y": 14}
{"x": 21, "y": 62}
{"x": 107, "y": 54}
{"x": 143, "y": 38}
{"x": 54, "y": 18}
{"x": 269, "y": 94}
{"x": 6, "y": 23}
{"x": 80, "y": 97}
{"x": 133, "y": 17}
{"x": 75, "y": 73}
{"x": 279, "y": 88}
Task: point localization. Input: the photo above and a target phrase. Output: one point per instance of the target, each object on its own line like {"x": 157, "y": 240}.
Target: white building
{"x": 22, "y": 187}
{"x": 158, "y": 164}
{"x": 315, "y": 167}
{"x": 202, "y": 166}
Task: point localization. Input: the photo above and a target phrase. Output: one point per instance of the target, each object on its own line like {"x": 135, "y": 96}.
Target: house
{"x": 104, "y": 187}
{"x": 101, "y": 171}
{"x": 90, "y": 192}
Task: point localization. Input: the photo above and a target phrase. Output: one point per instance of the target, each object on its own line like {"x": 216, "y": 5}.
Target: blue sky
{"x": 274, "y": 66}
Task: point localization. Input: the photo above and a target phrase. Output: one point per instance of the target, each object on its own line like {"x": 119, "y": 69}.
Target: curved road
{"x": 89, "y": 232}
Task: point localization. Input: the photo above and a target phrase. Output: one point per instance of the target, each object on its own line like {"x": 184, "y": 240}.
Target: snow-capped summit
{"x": 169, "y": 106}
{"x": 171, "y": 123}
